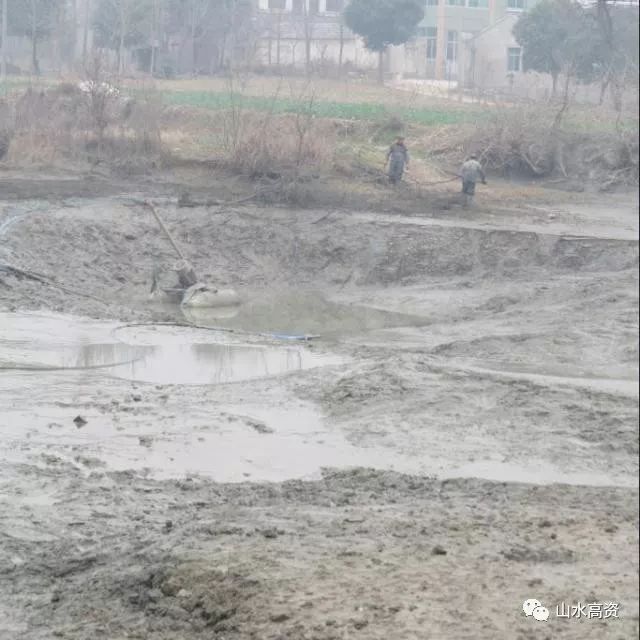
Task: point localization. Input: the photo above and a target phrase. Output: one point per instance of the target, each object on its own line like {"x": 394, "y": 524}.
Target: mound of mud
{"x": 109, "y": 250}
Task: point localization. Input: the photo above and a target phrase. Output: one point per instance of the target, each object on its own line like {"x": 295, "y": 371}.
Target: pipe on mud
{"x": 239, "y": 332}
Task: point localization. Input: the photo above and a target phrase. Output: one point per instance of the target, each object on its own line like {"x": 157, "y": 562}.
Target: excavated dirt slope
{"x": 459, "y": 437}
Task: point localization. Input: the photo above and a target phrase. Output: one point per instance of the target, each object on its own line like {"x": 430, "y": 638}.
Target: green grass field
{"x": 367, "y": 111}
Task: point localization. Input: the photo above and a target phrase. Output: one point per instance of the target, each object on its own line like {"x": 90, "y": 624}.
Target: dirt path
{"x": 461, "y": 437}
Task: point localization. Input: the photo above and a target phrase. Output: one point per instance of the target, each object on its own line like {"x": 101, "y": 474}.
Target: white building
{"x": 289, "y": 31}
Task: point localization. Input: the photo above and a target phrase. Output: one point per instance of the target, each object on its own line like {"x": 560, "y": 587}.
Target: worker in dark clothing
{"x": 470, "y": 172}
{"x": 398, "y": 160}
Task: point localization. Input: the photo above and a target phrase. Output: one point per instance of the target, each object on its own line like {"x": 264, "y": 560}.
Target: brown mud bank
{"x": 108, "y": 247}
{"x": 460, "y": 436}
{"x": 357, "y": 554}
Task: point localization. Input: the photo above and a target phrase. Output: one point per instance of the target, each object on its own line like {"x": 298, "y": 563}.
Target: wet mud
{"x": 457, "y": 432}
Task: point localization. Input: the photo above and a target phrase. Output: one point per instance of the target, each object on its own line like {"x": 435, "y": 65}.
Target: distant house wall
{"x": 284, "y": 28}
{"x": 449, "y": 24}
{"x": 292, "y": 52}
{"x": 494, "y": 65}
{"x": 493, "y": 62}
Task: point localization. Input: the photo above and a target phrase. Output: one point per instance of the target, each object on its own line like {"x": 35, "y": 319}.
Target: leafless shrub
{"x": 278, "y": 146}
{"x": 101, "y": 96}
{"x": 46, "y": 123}
{"x": 88, "y": 121}
{"x": 528, "y": 141}
{"x": 7, "y": 126}
{"x": 140, "y": 120}
{"x": 274, "y": 146}
{"x": 516, "y": 140}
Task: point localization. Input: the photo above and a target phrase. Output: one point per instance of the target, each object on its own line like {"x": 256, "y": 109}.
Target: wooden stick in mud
{"x": 166, "y": 231}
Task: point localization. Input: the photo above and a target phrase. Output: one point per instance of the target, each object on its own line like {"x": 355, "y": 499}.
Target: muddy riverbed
{"x": 411, "y": 425}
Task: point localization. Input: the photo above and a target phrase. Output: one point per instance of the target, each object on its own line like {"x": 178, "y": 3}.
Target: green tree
{"x": 34, "y": 19}
{"x": 383, "y": 23}
{"x": 560, "y": 37}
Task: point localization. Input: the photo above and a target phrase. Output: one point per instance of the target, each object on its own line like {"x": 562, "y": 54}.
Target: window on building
{"x": 432, "y": 43}
{"x": 456, "y": 3}
{"x": 478, "y": 4}
{"x": 518, "y": 5}
{"x": 314, "y": 7}
{"x": 277, "y": 5}
{"x": 452, "y": 46}
{"x": 432, "y": 3}
{"x": 514, "y": 59}
{"x": 334, "y": 6}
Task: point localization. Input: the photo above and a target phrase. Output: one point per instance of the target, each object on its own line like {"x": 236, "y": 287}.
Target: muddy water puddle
{"x": 295, "y": 314}
{"x": 146, "y": 354}
{"x": 57, "y": 367}
{"x": 203, "y": 364}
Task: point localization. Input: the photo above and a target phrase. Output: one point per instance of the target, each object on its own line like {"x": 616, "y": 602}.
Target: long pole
{"x": 5, "y": 46}
{"x": 166, "y": 231}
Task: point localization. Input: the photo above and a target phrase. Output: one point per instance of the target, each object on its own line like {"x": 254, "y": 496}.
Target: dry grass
{"x": 276, "y": 145}
{"x": 64, "y": 124}
{"x": 292, "y": 149}
{"x": 528, "y": 143}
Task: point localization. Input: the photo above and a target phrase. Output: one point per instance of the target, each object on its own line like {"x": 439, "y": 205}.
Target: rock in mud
{"x": 279, "y": 617}
{"x": 521, "y": 553}
{"x": 360, "y": 623}
{"x": 260, "y": 427}
{"x": 90, "y": 462}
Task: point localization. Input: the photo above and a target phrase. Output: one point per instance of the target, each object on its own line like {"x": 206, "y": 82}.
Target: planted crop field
{"x": 319, "y": 108}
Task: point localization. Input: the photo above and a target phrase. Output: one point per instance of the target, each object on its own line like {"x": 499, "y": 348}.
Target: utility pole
{"x": 5, "y": 46}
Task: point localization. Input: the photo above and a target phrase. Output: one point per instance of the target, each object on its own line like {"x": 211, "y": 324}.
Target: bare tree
{"x": 308, "y": 33}
{"x": 198, "y": 10}
{"x": 341, "y": 52}
{"x": 123, "y": 23}
{"x": 88, "y": 7}
{"x": 619, "y": 38}
{"x": 278, "y": 20}
{"x": 155, "y": 19}
{"x": 5, "y": 18}
{"x": 35, "y": 20}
